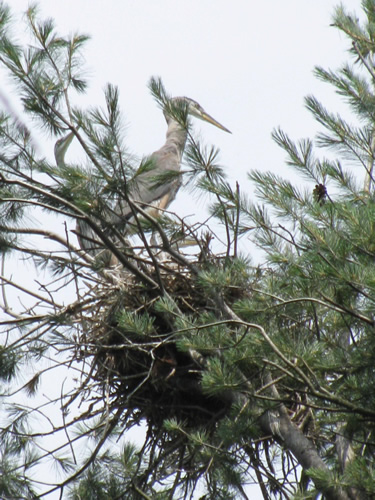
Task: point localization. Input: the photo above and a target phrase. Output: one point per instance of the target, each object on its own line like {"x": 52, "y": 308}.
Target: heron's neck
{"x": 176, "y": 136}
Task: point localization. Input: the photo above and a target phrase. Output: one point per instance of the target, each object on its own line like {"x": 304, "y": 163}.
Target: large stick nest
{"x": 147, "y": 374}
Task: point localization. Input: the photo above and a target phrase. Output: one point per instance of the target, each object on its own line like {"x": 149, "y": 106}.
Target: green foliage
{"x": 219, "y": 377}
{"x": 228, "y": 276}
{"x": 134, "y": 324}
{"x": 13, "y": 483}
{"x": 97, "y": 484}
{"x": 236, "y": 370}
{"x": 8, "y": 363}
{"x": 44, "y": 73}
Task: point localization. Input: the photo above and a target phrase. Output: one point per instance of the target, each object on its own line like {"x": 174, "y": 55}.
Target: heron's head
{"x": 195, "y": 109}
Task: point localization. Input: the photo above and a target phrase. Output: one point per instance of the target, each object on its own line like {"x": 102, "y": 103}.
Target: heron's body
{"x": 145, "y": 190}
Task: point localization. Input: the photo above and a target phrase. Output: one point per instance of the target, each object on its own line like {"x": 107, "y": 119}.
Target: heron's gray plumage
{"x": 147, "y": 189}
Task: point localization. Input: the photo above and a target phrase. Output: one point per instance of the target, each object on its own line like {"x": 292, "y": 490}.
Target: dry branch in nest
{"x": 141, "y": 370}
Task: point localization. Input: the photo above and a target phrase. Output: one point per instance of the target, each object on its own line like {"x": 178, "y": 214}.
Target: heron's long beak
{"x": 207, "y": 118}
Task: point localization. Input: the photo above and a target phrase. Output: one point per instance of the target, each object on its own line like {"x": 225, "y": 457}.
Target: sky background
{"x": 249, "y": 64}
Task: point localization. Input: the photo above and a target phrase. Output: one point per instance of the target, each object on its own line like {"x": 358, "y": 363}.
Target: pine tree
{"x": 237, "y": 371}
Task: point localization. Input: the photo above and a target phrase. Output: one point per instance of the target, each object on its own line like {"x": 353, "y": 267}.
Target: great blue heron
{"x": 145, "y": 191}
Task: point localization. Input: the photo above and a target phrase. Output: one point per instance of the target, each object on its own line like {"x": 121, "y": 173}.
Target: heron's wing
{"x": 155, "y": 184}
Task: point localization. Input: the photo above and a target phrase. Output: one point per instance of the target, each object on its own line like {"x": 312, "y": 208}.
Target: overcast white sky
{"x": 248, "y": 63}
